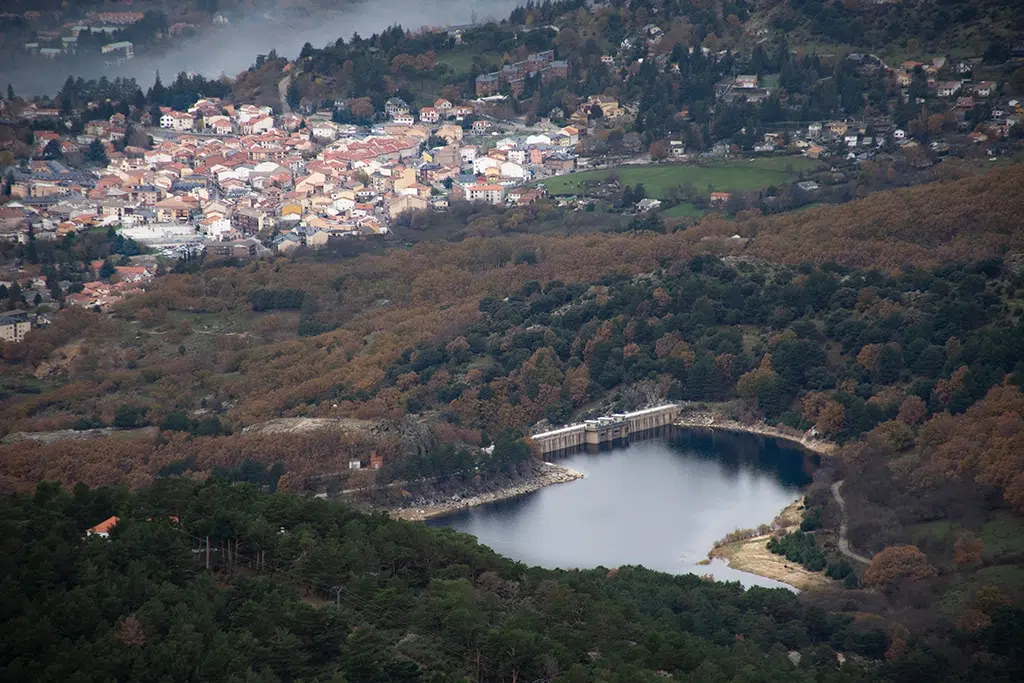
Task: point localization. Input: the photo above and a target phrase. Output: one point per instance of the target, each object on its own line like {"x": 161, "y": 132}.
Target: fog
{"x": 230, "y": 49}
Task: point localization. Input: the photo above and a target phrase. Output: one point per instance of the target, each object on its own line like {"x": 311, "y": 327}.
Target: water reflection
{"x": 660, "y": 502}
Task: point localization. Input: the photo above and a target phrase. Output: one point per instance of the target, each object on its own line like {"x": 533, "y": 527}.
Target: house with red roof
{"x": 103, "y": 528}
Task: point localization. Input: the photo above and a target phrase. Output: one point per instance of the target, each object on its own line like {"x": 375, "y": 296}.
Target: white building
{"x": 214, "y": 227}
{"x": 176, "y": 120}
{"x": 492, "y": 194}
{"x": 481, "y": 164}
{"x": 13, "y": 329}
{"x": 103, "y": 528}
{"x": 324, "y": 130}
{"x": 221, "y": 125}
{"x": 510, "y": 169}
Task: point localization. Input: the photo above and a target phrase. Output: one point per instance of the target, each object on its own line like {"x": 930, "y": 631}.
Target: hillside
{"x": 891, "y": 325}
{"x": 230, "y": 347}
{"x": 969, "y": 219}
{"x": 941, "y": 26}
{"x": 302, "y": 590}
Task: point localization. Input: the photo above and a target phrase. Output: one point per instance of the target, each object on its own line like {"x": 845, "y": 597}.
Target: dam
{"x": 605, "y": 430}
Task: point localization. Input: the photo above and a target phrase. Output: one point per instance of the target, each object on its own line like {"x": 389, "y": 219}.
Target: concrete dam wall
{"x": 617, "y": 427}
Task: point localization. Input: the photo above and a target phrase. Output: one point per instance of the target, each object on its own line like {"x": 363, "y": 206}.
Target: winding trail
{"x": 844, "y": 543}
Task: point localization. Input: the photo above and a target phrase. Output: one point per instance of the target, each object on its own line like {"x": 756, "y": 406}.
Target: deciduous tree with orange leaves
{"x": 896, "y": 565}
{"x": 968, "y": 549}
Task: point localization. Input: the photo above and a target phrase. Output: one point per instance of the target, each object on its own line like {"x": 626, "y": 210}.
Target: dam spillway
{"x": 605, "y": 430}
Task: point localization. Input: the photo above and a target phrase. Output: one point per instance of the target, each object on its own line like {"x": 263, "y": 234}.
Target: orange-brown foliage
{"x": 895, "y": 565}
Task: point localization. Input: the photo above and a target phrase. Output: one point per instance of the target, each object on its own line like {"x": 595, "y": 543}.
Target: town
{"x": 604, "y": 340}
{"x": 220, "y": 178}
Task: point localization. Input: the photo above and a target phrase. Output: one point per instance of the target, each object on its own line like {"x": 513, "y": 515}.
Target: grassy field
{"x": 657, "y": 179}
{"x": 460, "y": 61}
{"x": 1003, "y": 538}
{"x": 1002, "y": 534}
{"x": 683, "y": 211}
{"x": 1008, "y": 578}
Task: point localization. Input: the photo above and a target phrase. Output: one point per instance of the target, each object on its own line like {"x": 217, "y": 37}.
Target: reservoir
{"x": 660, "y": 502}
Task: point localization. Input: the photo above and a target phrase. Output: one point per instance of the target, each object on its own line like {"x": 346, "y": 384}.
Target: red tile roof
{"x": 105, "y": 526}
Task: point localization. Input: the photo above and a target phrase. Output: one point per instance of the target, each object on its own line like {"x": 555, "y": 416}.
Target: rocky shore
{"x": 545, "y": 474}
{"x": 708, "y": 420}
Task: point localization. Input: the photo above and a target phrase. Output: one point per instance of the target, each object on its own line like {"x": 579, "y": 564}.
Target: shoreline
{"x": 747, "y": 555}
{"x": 711, "y": 420}
{"x": 551, "y": 474}
{"x": 751, "y": 555}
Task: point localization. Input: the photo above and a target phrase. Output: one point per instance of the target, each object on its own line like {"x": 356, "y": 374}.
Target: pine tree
{"x": 107, "y": 269}
{"x": 293, "y": 95}
{"x": 157, "y": 95}
{"x": 97, "y": 153}
{"x": 52, "y": 150}
{"x": 10, "y": 91}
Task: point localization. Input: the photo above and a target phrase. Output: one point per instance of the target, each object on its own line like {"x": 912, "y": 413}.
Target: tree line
{"x": 208, "y": 581}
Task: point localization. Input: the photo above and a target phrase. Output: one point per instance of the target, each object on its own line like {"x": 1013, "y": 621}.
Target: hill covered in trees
{"x": 296, "y": 589}
{"x": 925, "y": 24}
{"x": 891, "y": 325}
{"x": 493, "y": 335}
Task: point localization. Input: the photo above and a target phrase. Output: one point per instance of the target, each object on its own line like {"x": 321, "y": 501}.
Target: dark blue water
{"x": 660, "y": 502}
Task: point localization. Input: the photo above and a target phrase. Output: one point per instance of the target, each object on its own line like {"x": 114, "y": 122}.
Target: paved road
{"x": 844, "y": 543}
{"x": 282, "y": 90}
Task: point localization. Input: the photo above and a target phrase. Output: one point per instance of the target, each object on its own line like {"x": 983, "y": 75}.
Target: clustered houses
{"x": 52, "y": 42}
{"x": 399, "y": 112}
{"x": 101, "y": 293}
{"x": 971, "y": 111}
{"x": 514, "y": 75}
{"x": 236, "y": 181}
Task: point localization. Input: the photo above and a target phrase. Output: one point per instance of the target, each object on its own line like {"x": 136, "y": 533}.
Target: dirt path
{"x": 844, "y": 543}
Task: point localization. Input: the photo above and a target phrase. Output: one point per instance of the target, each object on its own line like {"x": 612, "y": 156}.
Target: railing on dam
{"x": 608, "y": 429}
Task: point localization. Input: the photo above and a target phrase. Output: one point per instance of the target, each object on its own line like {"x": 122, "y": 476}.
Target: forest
{"x": 214, "y": 582}
{"x": 927, "y": 23}
{"x": 489, "y": 336}
{"x": 890, "y": 325}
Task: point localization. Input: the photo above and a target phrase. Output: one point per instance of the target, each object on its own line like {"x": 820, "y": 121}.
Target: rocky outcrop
{"x": 299, "y": 425}
{"x": 709, "y": 420}
{"x": 78, "y": 435}
{"x": 543, "y": 474}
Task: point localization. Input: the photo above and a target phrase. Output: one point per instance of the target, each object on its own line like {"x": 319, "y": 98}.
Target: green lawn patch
{"x": 1007, "y": 578}
{"x": 1002, "y": 535}
{"x": 658, "y": 179}
{"x": 935, "y": 531}
{"x": 12, "y": 384}
{"x": 460, "y": 61}
{"x": 683, "y": 211}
